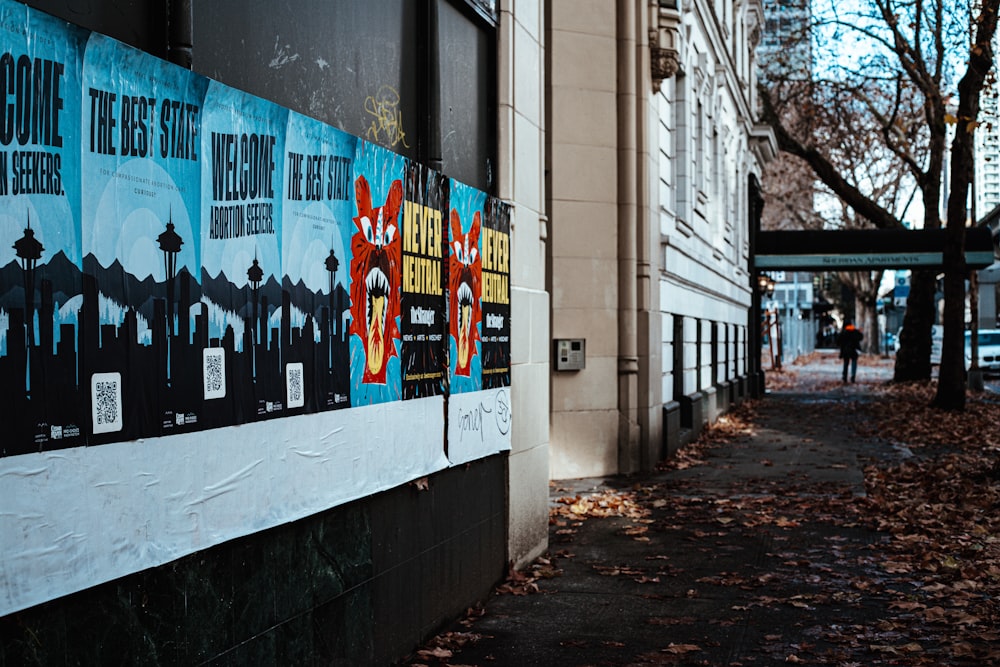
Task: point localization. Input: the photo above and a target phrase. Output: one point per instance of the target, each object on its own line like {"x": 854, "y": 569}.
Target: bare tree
{"x": 796, "y": 200}
{"x": 952, "y": 376}
{"x": 892, "y": 97}
{"x": 790, "y": 190}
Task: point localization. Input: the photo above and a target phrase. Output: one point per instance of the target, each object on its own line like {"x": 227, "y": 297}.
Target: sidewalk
{"x": 748, "y": 549}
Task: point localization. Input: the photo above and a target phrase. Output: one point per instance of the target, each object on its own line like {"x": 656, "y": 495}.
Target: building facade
{"x": 987, "y": 151}
{"x": 244, "y": 423}
{"x": 785, "y": 24}
{"x": 985, "y": 197}
{"x": 652, "y": 201}
{"x": 580, "y": 180}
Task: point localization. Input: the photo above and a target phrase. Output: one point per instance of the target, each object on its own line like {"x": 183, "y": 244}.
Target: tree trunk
{"x": 951, "y": 379}
{"x": 951, "y": 382}
{"x": 867, "y": 310}
{"x": 913, "y": 361}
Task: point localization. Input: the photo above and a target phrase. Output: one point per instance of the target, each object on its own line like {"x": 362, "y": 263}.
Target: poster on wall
{"x": 376, "y": 276}
{"x": 495, "y": 244}
{"x": 242, "y": 146}
{"x": 424, "y": 272}
{"x": 169, "y": 265}
{"x": 141, "y": 316}
{"x": 465, "y": 273}
{"x": 40, "y": 286}
{"x": 479, "y": 416}
{"x": 319, "y": 204}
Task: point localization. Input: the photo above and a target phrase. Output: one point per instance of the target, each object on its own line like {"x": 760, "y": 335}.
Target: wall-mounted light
{"x": 765, "y": 285}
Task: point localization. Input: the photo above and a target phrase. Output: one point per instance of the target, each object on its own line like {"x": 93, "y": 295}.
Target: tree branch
{"x": 826, "y": 171}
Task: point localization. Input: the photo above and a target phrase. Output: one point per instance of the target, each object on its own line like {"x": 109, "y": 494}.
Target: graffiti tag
{"x": 387, "y": 119}
{"x": 476, "y": 420}
{"x": 501, "y": 408}
{"x": 471, "y": 421}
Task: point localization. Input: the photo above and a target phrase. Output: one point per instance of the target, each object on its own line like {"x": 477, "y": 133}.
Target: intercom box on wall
{"x": 571, "y": 354}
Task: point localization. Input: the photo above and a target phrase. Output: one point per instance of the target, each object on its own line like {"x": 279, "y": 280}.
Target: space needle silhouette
{"x": 29, "y": 250}
{"x": 170, "y": 244}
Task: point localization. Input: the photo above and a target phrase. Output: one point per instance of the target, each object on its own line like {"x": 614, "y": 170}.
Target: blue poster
{"x": 243, "y": 148}
{"x": 141, "y": 178}
{"x": 376, "y": 275}
{"x": 141, "y": 171}
{"x": 317, "y": 225}
{"x": 40, "y": 63}
{"x": 465, "y": 287}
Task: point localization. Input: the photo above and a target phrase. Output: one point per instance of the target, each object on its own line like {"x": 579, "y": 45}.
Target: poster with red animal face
{"x": 376, "y": 276}
{"x": 465, "y": 287}
{"x": 479, "y": 413}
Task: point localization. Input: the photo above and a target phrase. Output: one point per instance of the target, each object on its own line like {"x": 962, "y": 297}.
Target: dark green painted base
{"x": 361, "y": 584}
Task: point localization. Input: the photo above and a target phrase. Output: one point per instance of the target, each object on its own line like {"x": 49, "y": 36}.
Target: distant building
{"x": 989, "y": 278}
{"x": 986, "y": 189}
{"x": 987, "y": 150}
{"x": 786, "y": 51}
{"x": 785, "y": 36}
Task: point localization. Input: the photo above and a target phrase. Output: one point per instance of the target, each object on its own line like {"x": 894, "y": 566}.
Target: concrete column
{"x": 650, "y": 320}
{"x": 521, "y": 135}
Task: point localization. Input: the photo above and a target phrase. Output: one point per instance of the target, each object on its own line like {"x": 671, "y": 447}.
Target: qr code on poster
{"x": 295, "y": 391}
{"x": 106, "y": 401}
{"x": 214, "y": 372}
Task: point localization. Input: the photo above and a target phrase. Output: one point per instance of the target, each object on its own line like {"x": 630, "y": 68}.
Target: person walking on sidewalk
{"x": 850, "y": 345}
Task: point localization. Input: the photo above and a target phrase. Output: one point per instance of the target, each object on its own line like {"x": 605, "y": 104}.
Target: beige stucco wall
{"x": 583, "y": 239}
{"x": 665, "y": 171}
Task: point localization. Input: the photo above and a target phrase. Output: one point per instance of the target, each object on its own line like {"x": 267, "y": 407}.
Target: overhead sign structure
{"x": 866, "y": 249}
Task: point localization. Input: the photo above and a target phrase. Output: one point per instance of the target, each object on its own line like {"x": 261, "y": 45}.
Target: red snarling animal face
{"x": 464, "y": 282}
{"x": 375, "y": 278}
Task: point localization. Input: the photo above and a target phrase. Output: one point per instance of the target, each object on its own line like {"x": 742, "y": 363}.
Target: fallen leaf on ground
{"x": 682, "y": 648}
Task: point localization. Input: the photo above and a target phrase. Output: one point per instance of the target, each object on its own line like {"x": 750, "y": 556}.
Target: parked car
{"x": 989, "y": 350}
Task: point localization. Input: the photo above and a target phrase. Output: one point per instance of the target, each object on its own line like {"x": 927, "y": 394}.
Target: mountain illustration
{"x": 59, "y": 270}
{"x": 228, "y": 296}
{"x": 121, "y": 286}
{"x": 131, "y": 293}
{"x": 311, "y": 302}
